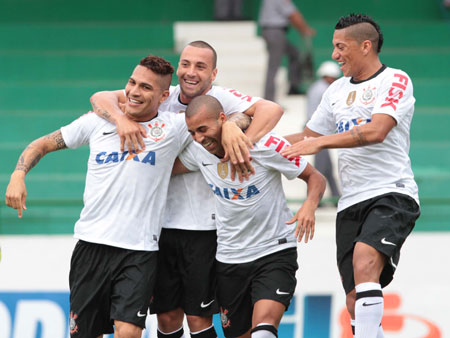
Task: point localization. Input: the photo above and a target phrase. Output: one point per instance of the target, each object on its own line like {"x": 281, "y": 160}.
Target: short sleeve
{"x": 189, "y": 157}
{"x": 79, "y": 131}
{"x": 322, "y": 120}
{"x": 232, "y": 100}
{"x": 396, "y": 96}
{"x": 184, "y": 138}
{"x": 268, "y": 155}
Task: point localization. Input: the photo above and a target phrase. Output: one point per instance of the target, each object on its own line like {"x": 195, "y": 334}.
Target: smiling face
{"x": 207, "y": 130}
{"x": 196, "y": 72}
{"x": 144, "y": 94}
{"x": 348, "y": 53}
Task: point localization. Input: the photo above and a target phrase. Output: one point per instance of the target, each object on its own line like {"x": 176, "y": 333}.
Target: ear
{"x": 213, "y": 75}
{"x": 222, "y": 117}
{"x": 366, "y": 47}
{"x": 164, "y": 96}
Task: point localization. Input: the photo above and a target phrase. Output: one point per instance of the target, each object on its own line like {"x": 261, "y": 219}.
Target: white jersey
{"x": 370, "y": 171}
{"x": 125, "y": 194}
{"x": 190, "y": 204}
{"x": 250, "y": 215}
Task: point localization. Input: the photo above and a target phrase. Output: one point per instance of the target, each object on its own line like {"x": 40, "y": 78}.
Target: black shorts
{"x": 106, "y": 284}
{"x": 186, "y": 272}
{"x": 383, "y": 222}
{"x": 240, "y": 286}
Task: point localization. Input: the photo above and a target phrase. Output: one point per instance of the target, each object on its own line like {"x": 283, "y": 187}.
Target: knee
{"x": 170, "y": 321}
{"x": 198, "y": 323}
{"x": 367, "y": 263}
{"x": 126, "y": 330}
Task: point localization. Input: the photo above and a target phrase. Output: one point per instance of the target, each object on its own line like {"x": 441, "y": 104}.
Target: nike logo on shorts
{"x": 202, "y": 305}
{"x": 282, "y": 292}
{"x": 206, "y": 164}
{"x": 384, "y": 241}
{"x": 139, "y": 314}
{"x": 107, "y": 132}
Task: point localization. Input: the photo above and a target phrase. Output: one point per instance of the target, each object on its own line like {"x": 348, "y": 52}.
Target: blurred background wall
{"x": 54, "y": 54}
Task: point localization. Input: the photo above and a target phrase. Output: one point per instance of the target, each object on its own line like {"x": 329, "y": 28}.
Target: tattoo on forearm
{"x": 241, "y": 120}
{"x": 33, "y": 157}
{"x": 38, "y": 148}
{"x": 358, "y": 136}
{"x": 104, "y": 113}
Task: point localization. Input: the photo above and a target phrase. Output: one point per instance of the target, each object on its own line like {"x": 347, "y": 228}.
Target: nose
{"x": 198, "y": 137}
{"x": 335, "y": 54}
{"x": 191, "y": 70}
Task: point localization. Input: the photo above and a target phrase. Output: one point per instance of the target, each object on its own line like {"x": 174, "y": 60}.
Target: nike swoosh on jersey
{"x": 206, "y": 164}
{"x": 139, "y": 314}
{"x": 108, "y": 132}
{"x": 384, "y": 241}
{"x": 202, "y": 305}
{"x": 282, "y": 292}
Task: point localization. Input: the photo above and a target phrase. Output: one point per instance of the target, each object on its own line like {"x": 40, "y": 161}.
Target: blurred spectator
{"x": 328, "y": 72}
{"x": 275, "y": 17}
{"x": 228, "y": 9}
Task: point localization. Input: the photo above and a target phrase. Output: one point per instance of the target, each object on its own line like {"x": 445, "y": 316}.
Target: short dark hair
{"x": 210, "y": 102}
{"x": 203, "y": 44}
{"x": 363, "y": 34}
{"x": 159, "y": 66}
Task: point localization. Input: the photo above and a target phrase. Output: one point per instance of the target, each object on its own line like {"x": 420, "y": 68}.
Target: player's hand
{"x": 308, "y": 146}
{"x": 236, "y": 145}
{"x": 16, "y": 192}
{"x": 242, "y": 171}
{"x": 131, "y": 133}
{"x": 305, "y": 223}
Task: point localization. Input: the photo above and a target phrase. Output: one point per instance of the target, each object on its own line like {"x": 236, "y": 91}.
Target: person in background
{"x": 228, "y": 10}
{"x": 327, "y": 73}
{"x": 275, "y": 18}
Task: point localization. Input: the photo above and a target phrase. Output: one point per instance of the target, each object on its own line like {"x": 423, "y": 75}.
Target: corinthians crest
{"x": 368, "y": 95}
{"x": 156, "y": 130}
{"x": 222, "y": 169}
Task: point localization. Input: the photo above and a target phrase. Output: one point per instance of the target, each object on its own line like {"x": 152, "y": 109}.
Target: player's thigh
{"x": 199, "y": 273}
{"x": 275, "y": 279}
{"x": 388, "y": 222}
{"x": 90, "y": 290}
{"x": 168, "y": 289}
{"x": 133, "y": 284}
{"x": 234, "y": 298}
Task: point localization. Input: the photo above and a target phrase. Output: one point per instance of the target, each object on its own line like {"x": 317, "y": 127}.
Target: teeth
{"x": 191, "y": 82}
{"x": 134, "y": 101}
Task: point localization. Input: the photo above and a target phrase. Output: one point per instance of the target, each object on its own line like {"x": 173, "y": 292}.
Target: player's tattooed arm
{"x": 38, "y": 149}
{"x": 110, "y": 105}
{"x": 102, "y": 112}
{"x": 241, "y": 120}
{"x": 359, "y": 137}
{"x": 16, "y": 192}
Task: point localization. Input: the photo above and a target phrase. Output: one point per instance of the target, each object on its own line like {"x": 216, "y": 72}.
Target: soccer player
{"x": 113, "y": 264}
{"x": 367, "y": 114}
{"x": 256, "y": 252}
{"x": 188, "y": 239}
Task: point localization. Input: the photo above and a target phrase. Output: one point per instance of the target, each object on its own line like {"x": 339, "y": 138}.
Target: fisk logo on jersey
{"x": 396, "y": 92}
{"x": 103, "y": 157}
{"x": 347, "y": 125}
{"x": 235, "y": 194}
{"x": 240, "y": 95}
{"x": 280, "y": 145}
